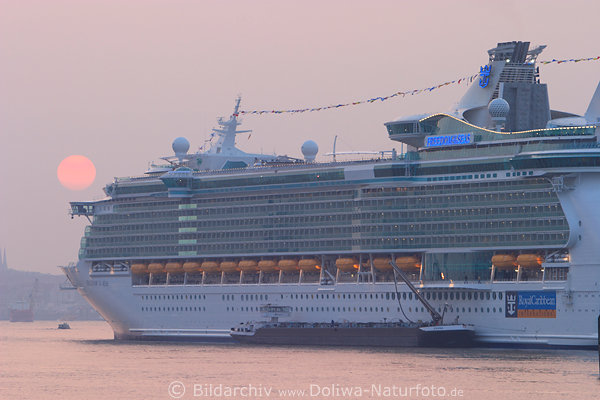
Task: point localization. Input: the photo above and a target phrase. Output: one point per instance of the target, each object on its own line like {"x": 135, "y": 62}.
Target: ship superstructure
{"x": 491, "y": 213}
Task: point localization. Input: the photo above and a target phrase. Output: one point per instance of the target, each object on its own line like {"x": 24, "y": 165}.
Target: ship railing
{"x": 503, "y": 150}
{"x": 278, "y": 167}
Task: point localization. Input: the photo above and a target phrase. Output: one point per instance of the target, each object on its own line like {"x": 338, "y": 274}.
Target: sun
{"x": 76, "y": 172}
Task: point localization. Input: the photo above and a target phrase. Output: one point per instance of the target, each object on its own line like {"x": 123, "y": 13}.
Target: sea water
{"x": 38, "y": 361}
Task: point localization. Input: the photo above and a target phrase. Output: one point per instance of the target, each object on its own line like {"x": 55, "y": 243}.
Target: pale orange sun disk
{"x": 76, "y": 172}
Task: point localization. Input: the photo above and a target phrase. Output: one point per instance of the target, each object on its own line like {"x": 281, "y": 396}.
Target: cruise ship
{"x": 491, "y": 212}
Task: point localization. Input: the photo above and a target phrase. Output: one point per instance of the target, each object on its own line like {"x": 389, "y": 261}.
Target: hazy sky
{"x": 117, "y": 81}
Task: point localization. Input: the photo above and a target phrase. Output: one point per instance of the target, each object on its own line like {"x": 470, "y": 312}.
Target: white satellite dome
{"x": 310, "y": 150}
{"x": 498, "y": 108}
{"x": 181, "y": 146}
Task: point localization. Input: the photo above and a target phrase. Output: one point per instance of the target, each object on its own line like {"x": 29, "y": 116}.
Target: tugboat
{"x": 64, "y": 325}
{"x": 373, "y": 334}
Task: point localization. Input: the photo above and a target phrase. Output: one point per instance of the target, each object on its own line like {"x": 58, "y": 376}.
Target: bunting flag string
{"x": 467, "y": 80}
{"x": 575, "y": 60}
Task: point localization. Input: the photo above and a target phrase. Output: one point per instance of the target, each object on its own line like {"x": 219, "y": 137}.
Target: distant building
{"x": 3, "y": 262}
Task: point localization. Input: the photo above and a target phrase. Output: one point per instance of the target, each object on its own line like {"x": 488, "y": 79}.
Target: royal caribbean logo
{"x": 484, "y": 74}
{"x": 534, "y": 304}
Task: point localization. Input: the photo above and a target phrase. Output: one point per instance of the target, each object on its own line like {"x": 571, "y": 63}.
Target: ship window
{"x": 469, "y": 295}
{"x": 445, "y": 295}
{"x": 500, "y": 295}
{"x": 494, "y": 295}
{"x": 393, "y": 296}
{"x": 487, "y": 296}
{"x": 451, "y": 296}
{"x": 463, "y": 295}
{"x": 404, "y": 296}
{"x": 476, "y": 295}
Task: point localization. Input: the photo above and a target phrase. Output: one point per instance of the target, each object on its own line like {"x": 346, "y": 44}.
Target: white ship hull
{"x": 204, "y": 313}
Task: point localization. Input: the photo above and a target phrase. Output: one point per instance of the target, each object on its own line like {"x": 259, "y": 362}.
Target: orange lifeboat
{"x": 209, "y": 266}
{"x": 346, "y": 264}
{"x": 248, "y": 265}
{"x": 191, "y": 266}
{"x": 139, "y": 268}
{"x": 174, "y": 267}
{"x": 267, "y": 265}
{"x": 382, "y": 264}
{"x": 288, "y": 264}
{"x": 309, "y": 264}
{"x": 409, "y": 263}
{"x": 529, "y": 260}
{"x": 229, "y": 266}
{"x": 504, "y": 261}
{"x": 156, "y": 268}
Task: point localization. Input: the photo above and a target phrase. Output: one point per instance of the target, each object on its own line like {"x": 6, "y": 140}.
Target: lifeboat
{"x": 309, "y": 264}
{"x": 267, "y": 265}
{"x": 347, "y": 264}
{"x": 504, "y": 261}
{"x": 156, "y": 268}
{"x": 248, "y": 265}
{"x": 229, "y": 266}
{"x": 409, "y": 263}
{"x": 174, "y": 267}
{"x": 382, "y": 264}
{"x": 210, "y": 266}
{"x": 191, "y": 266}
{"x": 139, "y": 269}
{"x": 288, "y": 265}
{"x": 529, "y": 260}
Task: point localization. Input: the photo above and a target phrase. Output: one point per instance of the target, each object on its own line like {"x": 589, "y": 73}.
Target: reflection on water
{"x": 38, "y": 361}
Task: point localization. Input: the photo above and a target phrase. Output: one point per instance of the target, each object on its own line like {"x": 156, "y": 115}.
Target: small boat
{"x": 64, "y": 325}
{"x": 370, "y": 334}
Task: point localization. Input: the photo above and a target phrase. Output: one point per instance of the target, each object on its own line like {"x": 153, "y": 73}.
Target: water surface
{"x": 38, "y": 361}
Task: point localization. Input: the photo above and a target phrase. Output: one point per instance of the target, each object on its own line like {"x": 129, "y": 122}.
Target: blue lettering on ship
{"x": 449, "y": 140}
